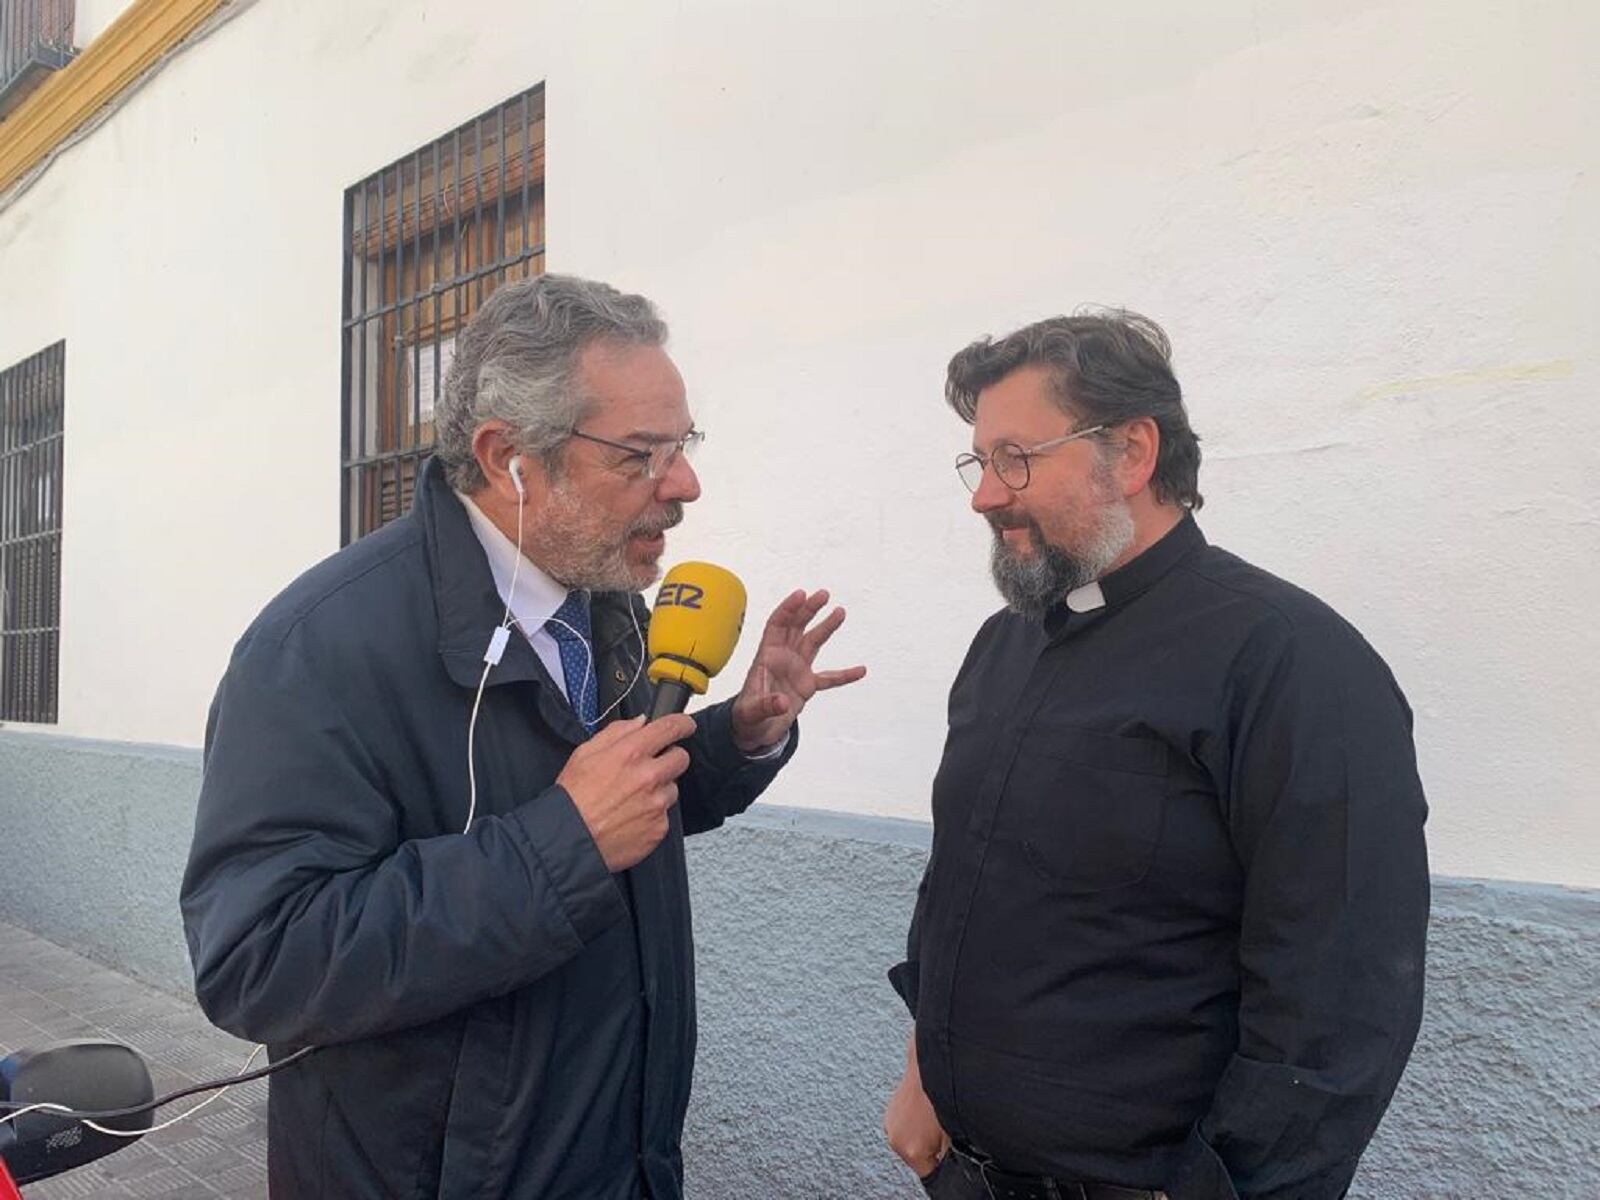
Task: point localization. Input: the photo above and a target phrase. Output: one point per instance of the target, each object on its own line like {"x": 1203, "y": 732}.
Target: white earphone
{"x": 502, "y": 635}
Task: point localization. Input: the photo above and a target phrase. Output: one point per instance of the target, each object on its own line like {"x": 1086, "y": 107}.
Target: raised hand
{"x": 782, "y": 678}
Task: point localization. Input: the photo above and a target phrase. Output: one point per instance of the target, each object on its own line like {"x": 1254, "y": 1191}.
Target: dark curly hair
{"x": 1108, "y": 366}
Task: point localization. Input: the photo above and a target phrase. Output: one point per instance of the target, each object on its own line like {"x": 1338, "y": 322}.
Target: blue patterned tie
{"x": 582, "y": 686}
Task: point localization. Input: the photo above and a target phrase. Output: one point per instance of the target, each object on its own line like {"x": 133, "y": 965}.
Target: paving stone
{"x": 48, "y": 994}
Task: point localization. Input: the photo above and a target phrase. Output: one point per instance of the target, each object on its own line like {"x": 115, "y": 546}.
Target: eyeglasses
{"x": 1010, "y": 461}
{"x": 653, "y": 461}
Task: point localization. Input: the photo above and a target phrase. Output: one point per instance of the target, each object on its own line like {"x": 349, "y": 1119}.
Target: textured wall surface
{"x": 1502, "y": 1097}
{"x": 797, "y": 915}
{"x": 1372, "y": 228}
{"x": 801, "y": 1038}
{"x": 93, "y": 840}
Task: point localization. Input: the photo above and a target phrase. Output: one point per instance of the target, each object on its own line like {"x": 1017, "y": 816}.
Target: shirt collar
{"x": 1086, "y": 598}
{"x": 538, "y": 596}
{"x": 1140, "y": 573}
{"x": 1133, "y": 577}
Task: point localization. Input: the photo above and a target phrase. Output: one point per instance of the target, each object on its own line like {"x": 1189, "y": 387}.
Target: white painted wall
{"x": 94, "y": 16}
{"x": 1370, "y": 228}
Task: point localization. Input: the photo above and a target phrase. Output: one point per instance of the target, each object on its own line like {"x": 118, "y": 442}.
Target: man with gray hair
{"x": 1170, "y": 938}
{"x": 449, "y": 856}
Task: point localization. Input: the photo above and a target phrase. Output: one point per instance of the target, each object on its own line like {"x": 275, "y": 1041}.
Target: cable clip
{"x": 497, "y": 644}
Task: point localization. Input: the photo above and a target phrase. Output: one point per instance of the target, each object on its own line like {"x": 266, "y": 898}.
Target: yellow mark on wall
{"x": 1555, "y": 368}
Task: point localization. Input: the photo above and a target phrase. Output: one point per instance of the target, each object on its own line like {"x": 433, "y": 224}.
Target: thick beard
{"x": 591, "y": 558}
{"x": 1031, "y": 584}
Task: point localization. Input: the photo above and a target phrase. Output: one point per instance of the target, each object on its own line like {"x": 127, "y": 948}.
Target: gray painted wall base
{"x": 93, "y": 841}
{"x": 801, "y": 1037}
{"x": 802, "y": 1040}
{"x": 798, "y": 914}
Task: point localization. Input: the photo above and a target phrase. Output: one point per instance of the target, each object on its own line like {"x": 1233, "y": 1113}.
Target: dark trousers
{"x": 959, "y": 1177}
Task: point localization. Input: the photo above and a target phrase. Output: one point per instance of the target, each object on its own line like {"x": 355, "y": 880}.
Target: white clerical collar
{"x": 1086, "y": 598}
{"x": 538, "y": 596}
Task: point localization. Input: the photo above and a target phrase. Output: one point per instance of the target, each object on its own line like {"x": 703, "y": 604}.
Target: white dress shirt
{"x": 537, "y": 598}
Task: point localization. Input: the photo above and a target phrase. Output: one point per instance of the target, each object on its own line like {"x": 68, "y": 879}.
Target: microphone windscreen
{"x": 695, "y": 624}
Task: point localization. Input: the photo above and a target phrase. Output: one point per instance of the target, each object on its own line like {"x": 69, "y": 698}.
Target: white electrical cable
{"x": 472, "y": 725}
{"x": 496, "y": 648}
{"x": 134, "y": 1133}
{"x": 491, "y": 657}
{"x": 589, "y": 669}
{"x": 497, "y": 645}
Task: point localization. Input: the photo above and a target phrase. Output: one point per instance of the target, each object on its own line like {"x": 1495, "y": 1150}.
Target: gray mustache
{"x": 670, "y": 516}
{"x": 998, "y": 523}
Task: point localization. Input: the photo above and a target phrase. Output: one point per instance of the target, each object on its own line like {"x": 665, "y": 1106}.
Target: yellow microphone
{"x": 694, "y": 626}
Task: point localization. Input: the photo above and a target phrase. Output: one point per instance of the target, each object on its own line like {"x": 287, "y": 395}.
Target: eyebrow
{"x": 1012, "y": 439}
{"x": 648, "y": 435}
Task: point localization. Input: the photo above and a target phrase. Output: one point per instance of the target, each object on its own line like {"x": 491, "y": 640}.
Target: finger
{"x": 657, "y": 735}
{"x": 818, "y": 637}
{"x": 783, "y": 616}
{"x": 668, "y": 765}
{"x": 794, "y": 614}
{"x": 813, "y": 605}
{"x": 665, "y": 796}
{"x": 833, "y": 679}
{"x": 611, "y": 732}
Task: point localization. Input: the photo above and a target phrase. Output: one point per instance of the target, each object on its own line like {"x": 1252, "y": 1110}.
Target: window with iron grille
{"x": 35, "y": 39}
{"x": 32, "y": 395}
{"x": 427, "y": 239}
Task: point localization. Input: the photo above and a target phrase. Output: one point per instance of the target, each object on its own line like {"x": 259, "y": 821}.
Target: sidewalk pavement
{"x": 48, "y": 994}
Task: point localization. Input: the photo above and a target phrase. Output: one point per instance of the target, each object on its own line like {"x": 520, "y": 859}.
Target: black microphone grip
{"x": 672, "y": 696}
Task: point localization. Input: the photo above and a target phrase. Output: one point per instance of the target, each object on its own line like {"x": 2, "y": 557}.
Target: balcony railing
{"x": 35, "y": 39}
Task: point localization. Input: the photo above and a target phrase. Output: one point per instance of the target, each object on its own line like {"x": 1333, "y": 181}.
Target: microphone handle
{"x": 672, "y": 696}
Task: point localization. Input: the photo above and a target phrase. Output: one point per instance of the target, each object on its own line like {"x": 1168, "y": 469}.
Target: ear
{"x": 1141, "y": 446}
{"x": 495, "y": 451}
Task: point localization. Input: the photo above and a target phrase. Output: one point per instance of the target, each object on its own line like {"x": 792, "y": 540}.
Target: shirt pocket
{"x": 1086, "y": 807}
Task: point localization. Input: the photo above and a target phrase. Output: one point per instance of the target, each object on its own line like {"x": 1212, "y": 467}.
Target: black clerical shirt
{"x": 1171, "y": 932}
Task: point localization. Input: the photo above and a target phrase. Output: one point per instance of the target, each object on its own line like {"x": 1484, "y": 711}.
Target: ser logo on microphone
{"x": 680, "y": 595}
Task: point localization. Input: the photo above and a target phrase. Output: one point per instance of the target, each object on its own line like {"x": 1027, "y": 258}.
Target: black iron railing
{"x": 427, "y": 239}
{"x": 32, "y": 397}
{"x": 35, "y": 39}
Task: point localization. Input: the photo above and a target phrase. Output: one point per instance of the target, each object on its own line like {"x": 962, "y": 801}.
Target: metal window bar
{"x": 35, "y": 39}
{"x": 32, "y": 399}
{"x": 427, "y": 239}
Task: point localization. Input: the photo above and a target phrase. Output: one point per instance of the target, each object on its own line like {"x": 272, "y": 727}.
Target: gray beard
{"x": 593, "y": 563}
{"x": 1031, "y": 585}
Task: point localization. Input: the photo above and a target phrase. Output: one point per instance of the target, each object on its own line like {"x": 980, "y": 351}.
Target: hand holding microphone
{"x": 623, "y": 782}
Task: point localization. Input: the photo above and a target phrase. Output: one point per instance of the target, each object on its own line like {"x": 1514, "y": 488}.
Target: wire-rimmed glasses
{"x": 1010, "y": 461}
